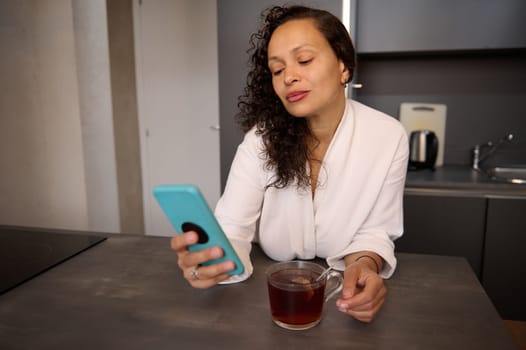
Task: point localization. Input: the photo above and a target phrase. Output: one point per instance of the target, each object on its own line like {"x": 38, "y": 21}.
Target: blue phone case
{"x": 187, "y": 210}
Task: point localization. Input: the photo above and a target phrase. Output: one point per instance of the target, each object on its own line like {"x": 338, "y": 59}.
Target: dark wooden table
{"x": 127, "y": 293}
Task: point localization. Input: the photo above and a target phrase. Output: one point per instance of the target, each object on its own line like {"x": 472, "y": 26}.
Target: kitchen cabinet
{"x": 504, "y": 268}
{"x": 444, "y": 225}
{"x": 488, "y": 230}
{"x": 428, "y": 25}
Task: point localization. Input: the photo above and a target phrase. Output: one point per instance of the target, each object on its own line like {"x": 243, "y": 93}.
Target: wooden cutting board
{"x": 426, "y": 116}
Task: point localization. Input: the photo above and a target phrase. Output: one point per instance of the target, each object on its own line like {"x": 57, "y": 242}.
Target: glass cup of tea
{"x": 296, "y": 297}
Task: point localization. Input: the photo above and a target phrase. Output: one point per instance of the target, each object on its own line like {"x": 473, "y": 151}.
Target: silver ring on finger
{"x": 194, "y": 274}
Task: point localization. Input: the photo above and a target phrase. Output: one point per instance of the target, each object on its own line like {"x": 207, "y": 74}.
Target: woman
{"x": 316, "y": 174}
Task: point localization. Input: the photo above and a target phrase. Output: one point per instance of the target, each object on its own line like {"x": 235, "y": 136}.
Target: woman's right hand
{"x": 204, "y": 276}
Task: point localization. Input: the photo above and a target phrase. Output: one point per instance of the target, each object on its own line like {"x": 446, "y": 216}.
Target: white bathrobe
{"x": 357, "y": 205}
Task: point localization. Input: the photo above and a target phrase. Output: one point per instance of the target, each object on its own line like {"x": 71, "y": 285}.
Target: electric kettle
{"x": 423, "y": 150}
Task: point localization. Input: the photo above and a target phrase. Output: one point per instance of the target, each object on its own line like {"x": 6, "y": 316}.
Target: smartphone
{"x": 187, "y": 210}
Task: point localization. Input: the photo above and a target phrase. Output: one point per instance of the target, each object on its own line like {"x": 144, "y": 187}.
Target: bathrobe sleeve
{"x": 239, "y": 207}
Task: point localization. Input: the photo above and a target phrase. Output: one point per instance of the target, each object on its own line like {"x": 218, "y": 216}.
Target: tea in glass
{"x": 296, "y": 297}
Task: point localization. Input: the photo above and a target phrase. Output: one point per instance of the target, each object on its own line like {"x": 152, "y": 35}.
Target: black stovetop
{"x": 26, "y": 252}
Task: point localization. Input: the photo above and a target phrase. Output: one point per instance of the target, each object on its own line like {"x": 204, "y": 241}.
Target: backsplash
{"x": 484, "y": 92}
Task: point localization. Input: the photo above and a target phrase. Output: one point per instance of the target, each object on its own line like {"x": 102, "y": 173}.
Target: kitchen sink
{"x": 510, "y": 173}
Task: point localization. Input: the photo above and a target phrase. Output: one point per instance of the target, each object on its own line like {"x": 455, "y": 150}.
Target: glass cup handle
{"x": 337, "y": 287}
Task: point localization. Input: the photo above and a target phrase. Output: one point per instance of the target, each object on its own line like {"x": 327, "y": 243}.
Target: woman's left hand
{"x": 363, "y": 292}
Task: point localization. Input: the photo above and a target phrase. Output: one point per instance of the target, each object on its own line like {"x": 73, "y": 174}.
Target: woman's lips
{"x": 296, "y": 96}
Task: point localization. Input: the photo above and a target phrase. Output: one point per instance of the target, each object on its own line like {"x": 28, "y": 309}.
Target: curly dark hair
{"x": 284, "y": 136}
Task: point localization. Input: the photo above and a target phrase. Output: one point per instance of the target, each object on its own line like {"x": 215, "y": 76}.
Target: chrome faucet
{"x": 479, "y": 157}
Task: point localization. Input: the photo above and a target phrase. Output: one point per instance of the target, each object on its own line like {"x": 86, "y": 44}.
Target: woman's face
{"x": 306, "y": 74}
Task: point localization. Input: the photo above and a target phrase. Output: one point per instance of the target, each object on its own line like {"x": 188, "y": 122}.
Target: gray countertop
{"x": 460, "y": 179}
{"x": 127, "y": 293}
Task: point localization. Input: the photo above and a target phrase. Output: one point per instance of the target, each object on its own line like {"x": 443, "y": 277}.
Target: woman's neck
{"x": 323, "y": 127}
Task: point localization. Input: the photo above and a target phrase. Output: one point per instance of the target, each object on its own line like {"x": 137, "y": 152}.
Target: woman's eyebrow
{"x": 294, "y": 50}
{"x": 275, "y": 59}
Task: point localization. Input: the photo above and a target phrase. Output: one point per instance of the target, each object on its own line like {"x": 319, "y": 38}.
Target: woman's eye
{"x": 277, "y": 72}
{"x": 306, "y": 61}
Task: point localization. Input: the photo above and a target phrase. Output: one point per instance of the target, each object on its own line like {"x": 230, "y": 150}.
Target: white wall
{"x": 43, "y": 167}
{"x": 93, "y": 71}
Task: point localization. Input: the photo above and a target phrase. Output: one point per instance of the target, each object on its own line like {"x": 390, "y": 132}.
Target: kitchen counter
{"x": 127, "y": 293}
{"x": 459, "y": 179}
{"x": 25, "y": 253}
